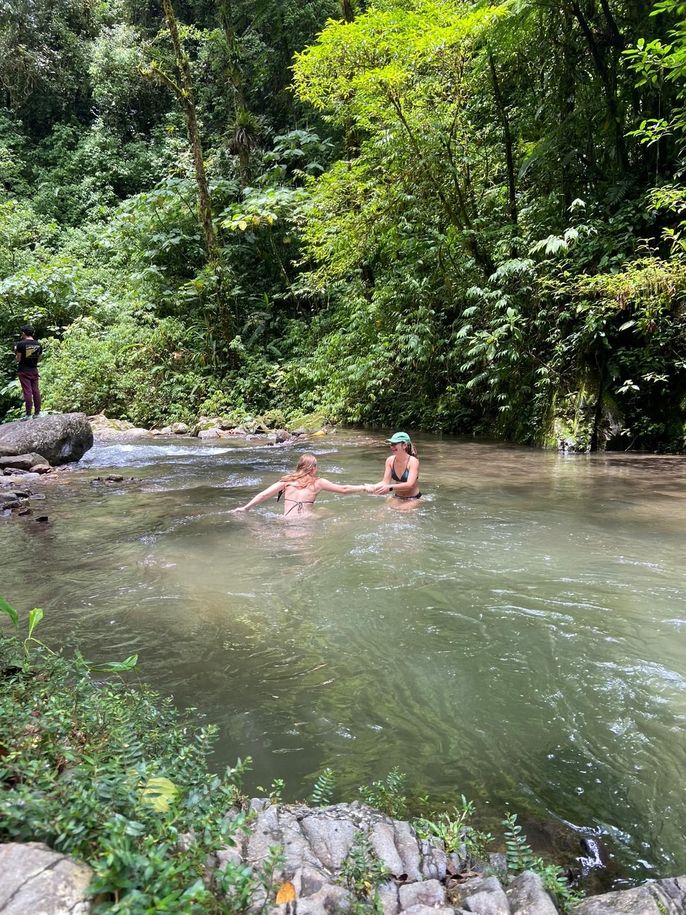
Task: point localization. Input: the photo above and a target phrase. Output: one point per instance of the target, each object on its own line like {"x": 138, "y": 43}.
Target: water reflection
{"x": 514, "y": 639}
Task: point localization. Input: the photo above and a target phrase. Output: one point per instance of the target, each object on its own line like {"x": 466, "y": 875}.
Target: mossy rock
{"x": 308, "y": 422}
{"x": 273, "y": 419}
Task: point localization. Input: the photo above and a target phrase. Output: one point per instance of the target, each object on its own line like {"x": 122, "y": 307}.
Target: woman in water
{"x": 401, "y": 476}
{"x": 301, "y": 488}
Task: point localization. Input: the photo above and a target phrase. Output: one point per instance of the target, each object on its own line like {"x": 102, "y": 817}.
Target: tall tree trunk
{"x": 184, "y": 94}
{"x": 608, "y": 78}
{"x": 347, "y": 10}
{"x": 509, "y": 156}
{"x": 234, "y": 68}
{"x": 567, "y": 101}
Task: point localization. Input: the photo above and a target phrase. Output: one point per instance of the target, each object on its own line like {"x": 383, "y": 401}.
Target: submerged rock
{"x": 58, "y": 438}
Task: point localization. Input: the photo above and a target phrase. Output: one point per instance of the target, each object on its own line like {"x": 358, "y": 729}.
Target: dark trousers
{"x": 29, "y": 388}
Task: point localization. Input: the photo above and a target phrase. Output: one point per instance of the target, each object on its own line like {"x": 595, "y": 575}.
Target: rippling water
{"x": 518, "y": 638}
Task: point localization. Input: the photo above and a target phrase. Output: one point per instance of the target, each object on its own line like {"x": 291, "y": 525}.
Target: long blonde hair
{"x": 306, "y": 471}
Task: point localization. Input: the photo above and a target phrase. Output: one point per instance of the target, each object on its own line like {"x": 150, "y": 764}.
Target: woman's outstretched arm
{"x": 343, "y": 489}
{"x": 267, "y": 493}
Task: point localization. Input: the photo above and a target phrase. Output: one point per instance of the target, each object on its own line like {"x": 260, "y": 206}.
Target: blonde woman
{"x": 300, "y": 489}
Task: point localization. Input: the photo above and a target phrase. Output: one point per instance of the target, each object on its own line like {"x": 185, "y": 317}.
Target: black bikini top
{"x": 403, "y": 478}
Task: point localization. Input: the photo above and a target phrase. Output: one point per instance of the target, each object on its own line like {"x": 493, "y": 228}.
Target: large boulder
{"x": 59, "y": 438}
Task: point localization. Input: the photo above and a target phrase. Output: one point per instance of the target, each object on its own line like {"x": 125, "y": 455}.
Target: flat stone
{"x": 34, "y": 880}
{"x": 264, "y": 836}
{"x": 429, "y": 910}
{"x": 115, "y": 430}
{"x": 308, "y": 881}
{"x": 484, "y": 896}
{"x": 297, "y": 849}
{"x": 329, "y": 899}
{"x": 330, "y": 838}
{"x": 528, "y": 896}
{"x": 428, "y": 893}
{"x": 389, "y": 898}
{"x": 382, "y": 839}
{"x": 24, "y": 462}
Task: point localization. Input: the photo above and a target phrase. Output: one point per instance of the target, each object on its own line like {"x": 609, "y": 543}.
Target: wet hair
{"x": 306, "y": 468}
{"x": 28, "y": 330}
{"x": 410, "y": 449}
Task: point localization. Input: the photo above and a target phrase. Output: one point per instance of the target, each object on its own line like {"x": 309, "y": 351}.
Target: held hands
{"x": 380, "y": 489}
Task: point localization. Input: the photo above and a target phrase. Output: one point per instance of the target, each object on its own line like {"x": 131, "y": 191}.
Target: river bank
{"x": 109, "y": 805}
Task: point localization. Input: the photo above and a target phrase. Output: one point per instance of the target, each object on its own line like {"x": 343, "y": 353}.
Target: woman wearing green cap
{"x": 401, "y": 474}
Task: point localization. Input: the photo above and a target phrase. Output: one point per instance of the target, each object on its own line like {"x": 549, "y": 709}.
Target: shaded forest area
{"x": 450, "y": 216}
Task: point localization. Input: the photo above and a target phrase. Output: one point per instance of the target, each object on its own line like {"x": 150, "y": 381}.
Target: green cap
{"x": 399, "y": 438}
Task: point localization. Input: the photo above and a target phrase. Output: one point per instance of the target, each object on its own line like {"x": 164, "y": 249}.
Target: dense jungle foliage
{"x": 446, "y": 215}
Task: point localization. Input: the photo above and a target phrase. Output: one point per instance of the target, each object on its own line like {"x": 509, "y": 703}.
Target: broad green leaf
{"x": 159, "y": 793}
{"x": 9, "y": 611}
{"x": 115, "y": 667}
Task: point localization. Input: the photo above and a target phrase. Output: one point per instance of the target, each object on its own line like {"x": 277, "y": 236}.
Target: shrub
{"x": 114, "y": 776}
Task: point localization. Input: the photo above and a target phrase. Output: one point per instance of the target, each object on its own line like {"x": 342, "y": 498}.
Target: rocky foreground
{"x": 314, "y": 874}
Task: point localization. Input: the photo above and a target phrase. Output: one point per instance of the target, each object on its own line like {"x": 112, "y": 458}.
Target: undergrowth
{"x": 117, "y": 777}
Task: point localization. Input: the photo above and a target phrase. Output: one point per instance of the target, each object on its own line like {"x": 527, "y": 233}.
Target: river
{"x": 519, "y": 638}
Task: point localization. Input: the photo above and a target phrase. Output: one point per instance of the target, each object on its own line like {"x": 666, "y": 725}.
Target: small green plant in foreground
{"x": 453, "y": 828}
{"x": 323, "y": 789}
{"x": 35, "y": 616}
{"x": 387, "y": 795}
{"x": 520, "y": 858}
{"x": 362, "y": 872}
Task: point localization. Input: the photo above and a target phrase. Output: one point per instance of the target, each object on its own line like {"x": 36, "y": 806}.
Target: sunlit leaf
{"x": 35, "y": 616}
{"x": 159, "y": 793}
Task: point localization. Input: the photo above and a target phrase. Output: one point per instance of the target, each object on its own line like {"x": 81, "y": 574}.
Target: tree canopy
{"x": 458, "y": 216}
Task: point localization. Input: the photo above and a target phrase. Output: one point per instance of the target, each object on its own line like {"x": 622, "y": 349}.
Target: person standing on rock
{"x": 27, "y": 352}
